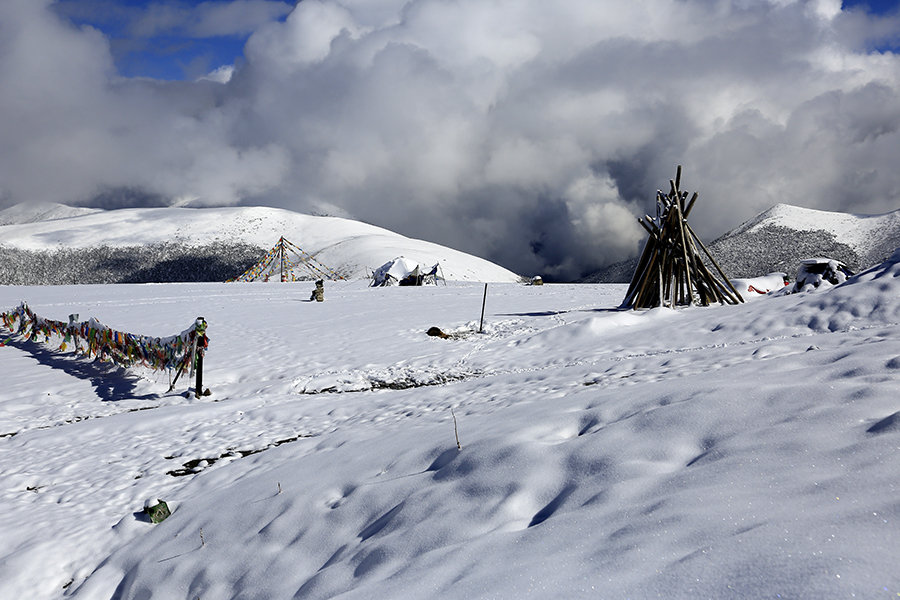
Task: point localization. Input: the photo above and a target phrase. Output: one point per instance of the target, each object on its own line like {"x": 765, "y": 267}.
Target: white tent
{"x": 404, "y": 271}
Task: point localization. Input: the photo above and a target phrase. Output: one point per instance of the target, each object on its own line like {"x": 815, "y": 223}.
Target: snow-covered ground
{"x": 744, "y": 451}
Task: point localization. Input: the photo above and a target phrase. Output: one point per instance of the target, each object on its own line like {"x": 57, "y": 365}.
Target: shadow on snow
{"x": 111, "y": 382}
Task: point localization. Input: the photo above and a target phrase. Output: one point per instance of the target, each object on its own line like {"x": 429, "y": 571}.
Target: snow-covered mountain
{"x": 779, "y": 238}
{"x": 41, "y": 245}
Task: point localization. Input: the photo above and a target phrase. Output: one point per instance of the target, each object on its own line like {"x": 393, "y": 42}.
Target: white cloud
{"x": 206, "y": 19}
{"x": 304, "y": 38}
{"x": 527, "y": 131}
{"x": 221, "y": 75}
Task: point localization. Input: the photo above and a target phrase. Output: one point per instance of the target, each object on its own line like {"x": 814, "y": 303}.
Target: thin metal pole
{"x": 483, "y": 303}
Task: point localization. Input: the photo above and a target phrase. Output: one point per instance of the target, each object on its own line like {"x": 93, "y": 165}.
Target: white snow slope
{"x": 352, "y": 248}
{"x": 45, "y": 211}
{"x": 744, "y": 451}
{"x": 857, "y": 231}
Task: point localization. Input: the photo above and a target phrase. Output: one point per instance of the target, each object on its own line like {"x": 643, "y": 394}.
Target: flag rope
{"x": 268, "y": 267}
{"x": 94, "y": 339}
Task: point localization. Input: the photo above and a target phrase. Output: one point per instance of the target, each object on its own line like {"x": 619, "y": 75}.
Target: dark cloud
{"x": 528, "y": 132}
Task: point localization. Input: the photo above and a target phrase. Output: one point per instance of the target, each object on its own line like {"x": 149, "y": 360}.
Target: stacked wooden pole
{"x": 671, "y": 271}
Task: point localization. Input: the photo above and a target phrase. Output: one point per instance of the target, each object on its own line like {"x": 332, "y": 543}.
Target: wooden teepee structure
{"x": 283, "y": 261}
{"x": 671, "y": 271}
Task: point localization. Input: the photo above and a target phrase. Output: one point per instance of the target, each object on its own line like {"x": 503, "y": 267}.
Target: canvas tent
{"x": 287, "y": 262}
{"x": 403, "y": 271}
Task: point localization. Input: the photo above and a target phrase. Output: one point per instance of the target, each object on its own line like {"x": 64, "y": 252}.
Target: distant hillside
{"x": 43, "y": 245}
{"x": 779, "y": 238}
{"x": 33, "y": 213}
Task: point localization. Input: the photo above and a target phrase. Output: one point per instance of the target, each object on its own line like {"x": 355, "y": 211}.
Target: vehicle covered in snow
{"x": 813, "y": 272}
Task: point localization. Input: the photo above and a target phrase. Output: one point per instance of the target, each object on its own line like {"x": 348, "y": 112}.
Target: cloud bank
{"x": 531, "y": 133}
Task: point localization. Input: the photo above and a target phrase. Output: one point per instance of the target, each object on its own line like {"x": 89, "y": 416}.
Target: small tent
{"x": 287, "y": 262}
{"x": 403, "y": 271}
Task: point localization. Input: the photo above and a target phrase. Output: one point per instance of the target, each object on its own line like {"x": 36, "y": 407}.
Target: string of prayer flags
{"x": 93, "y": 339}
{"x": 282, "y": 261}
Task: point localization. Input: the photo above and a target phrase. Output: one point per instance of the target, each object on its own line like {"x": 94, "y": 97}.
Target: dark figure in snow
{"x": 318, "y": 294}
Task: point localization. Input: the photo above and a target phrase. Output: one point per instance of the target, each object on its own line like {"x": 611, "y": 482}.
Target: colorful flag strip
{"x": 94, "y": 339}
{"x": 282, "y": 261}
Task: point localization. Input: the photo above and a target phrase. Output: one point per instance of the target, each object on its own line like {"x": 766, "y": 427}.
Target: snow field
{"x": 724, "y": 452}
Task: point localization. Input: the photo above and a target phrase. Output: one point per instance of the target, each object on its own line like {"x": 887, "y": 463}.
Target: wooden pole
{"x": 690, "y": 205}
{"x": 661, "y": 294}
{"x": 652, "y": 265}
{"x": 706, "y": 276}
{"x": 198, "y": 355}
{"x": 687, "y": 272}
{"x": 696, "y": 275}
{"x": 281, "y": 255}
{"x": 198, "y": 385}
{"x": 177, "y": 375}
{"x": 715, "y": 264}
{"x": 671, "y": 270}
{"x": 646, "y": 253}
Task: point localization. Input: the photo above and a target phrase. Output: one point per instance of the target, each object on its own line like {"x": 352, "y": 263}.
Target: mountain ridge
{"x": 169, "y": 244}
{"x": 778, "y": 238}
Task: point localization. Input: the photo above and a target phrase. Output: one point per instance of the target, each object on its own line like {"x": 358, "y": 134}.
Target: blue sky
{"x": 876, "y": 6}
{"x": 174, "y": 39}
{"x": 880, "y": 8}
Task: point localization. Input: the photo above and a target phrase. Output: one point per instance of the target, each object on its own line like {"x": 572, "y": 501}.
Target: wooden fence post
{"x": 199, "y": 347}
{"x": 198, "y": 385}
